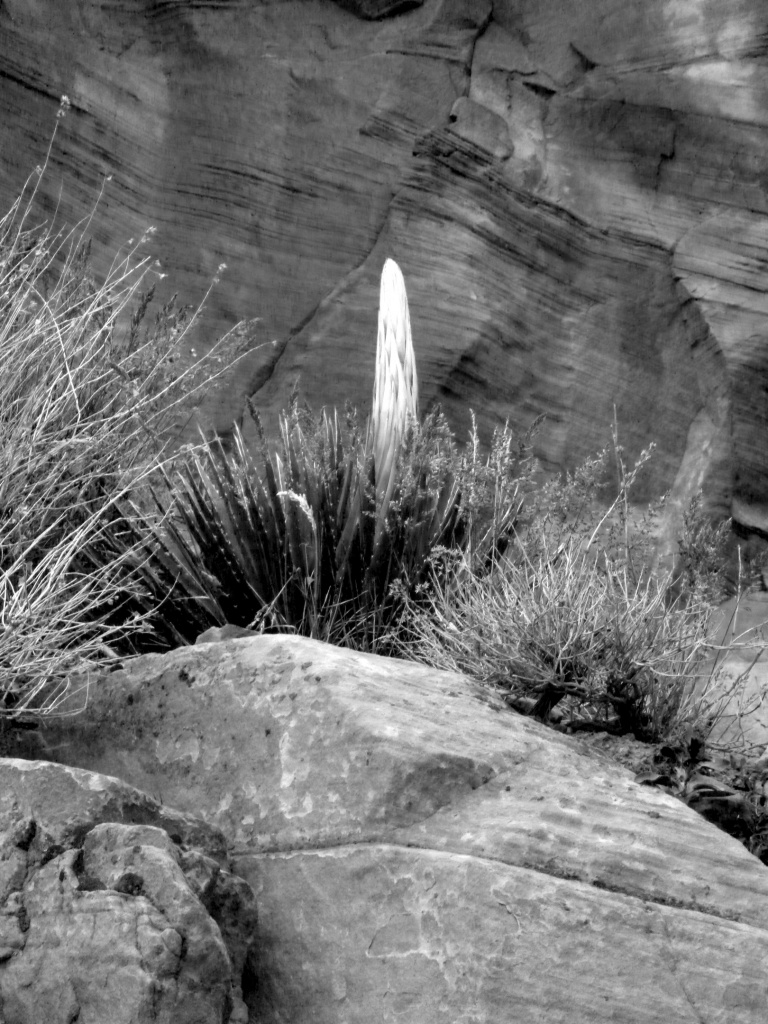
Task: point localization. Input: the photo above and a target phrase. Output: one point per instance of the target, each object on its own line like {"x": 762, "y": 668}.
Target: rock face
{"x": 113, "y": 908}
{"x": 575, "y": 192}
{"x": 423, "y": 855}
{"x": 743, "y": 621}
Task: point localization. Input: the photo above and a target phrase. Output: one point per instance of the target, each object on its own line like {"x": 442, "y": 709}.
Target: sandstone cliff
{"x": 576, "y": 193}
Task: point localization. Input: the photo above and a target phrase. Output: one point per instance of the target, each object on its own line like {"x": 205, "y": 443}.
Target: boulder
{"x": 114, "y": 908}
{"x": 575, "y": 193}
{"x": 422, "y": 854}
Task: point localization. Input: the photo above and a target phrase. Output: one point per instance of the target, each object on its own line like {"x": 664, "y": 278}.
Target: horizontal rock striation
{"x": 576, "y": 194}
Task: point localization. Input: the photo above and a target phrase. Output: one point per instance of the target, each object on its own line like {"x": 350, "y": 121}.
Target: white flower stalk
{"x": 395, "y": 391}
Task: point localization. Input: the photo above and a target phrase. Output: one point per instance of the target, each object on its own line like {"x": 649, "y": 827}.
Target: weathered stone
{"x": 575, "y": 192}
{"x": 373, "y": 10}
{"x": 214, "y": 634}
{"x": 423, "y": 854}
{"x": 98, "y": 919}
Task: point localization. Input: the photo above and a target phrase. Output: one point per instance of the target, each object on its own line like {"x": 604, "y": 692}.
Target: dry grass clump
{"x": 574, "y": 624}
{"x": 565, "y": 629}
{"x": 86, "y": 396}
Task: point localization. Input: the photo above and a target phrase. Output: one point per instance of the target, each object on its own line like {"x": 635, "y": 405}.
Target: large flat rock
{"x": 421, "y": 854}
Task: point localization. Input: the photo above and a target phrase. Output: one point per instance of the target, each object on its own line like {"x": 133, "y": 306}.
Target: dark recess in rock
{"x": 376, "y": 10}
{"x": 130, "y": 883}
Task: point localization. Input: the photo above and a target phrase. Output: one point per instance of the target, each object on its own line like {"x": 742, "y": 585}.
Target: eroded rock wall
{"x": 576, "y": 193}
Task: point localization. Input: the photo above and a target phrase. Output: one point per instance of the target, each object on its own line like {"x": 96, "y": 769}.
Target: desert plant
{"x": 569, "y": 627}
{"x": 330, "y": 532}
{"x": 495, "y": 490}
{"x": 573, "y": 625}
{"x": 307, "y": 536}
{"x": 85, "y": 399}
{"x": 703, "y": 553}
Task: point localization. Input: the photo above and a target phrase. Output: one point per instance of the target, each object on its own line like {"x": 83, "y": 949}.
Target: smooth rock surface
{"x": 422, "y": 854}
{"x": 576, "y": 194}
{"x": 740, "y": 626}
{"x": 106, "y": 912}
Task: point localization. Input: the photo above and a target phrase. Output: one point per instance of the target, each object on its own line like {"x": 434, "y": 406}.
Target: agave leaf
{"x": 263, "y": 527}
{"x": 259, "y": 501}
{"x": 261, "y": 539}
{"x": 193, "y": 508}
{"x": 216, "y": 476}
{"x": 278, "y": 528}
{"x": 187, "y": 600}
{"x": 246, "y": 549}
{"x": 350, "y": 515}
{"x": 336, "y": 446}
{"x": 238, "y": 524}
{"x": 287, "y": 433}
{"x": 347, "y": 485}
{"x": 218, "y": 549}
{"x": 199, "y": 514}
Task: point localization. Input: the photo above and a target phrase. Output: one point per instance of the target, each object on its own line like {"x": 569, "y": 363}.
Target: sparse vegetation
{"x": 86, "y": 395}
{"x": 385, "y": 536}
{"x": 572, "y": 623}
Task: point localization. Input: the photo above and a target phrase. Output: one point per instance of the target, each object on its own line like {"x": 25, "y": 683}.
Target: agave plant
{"x": 319, "y": 533}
